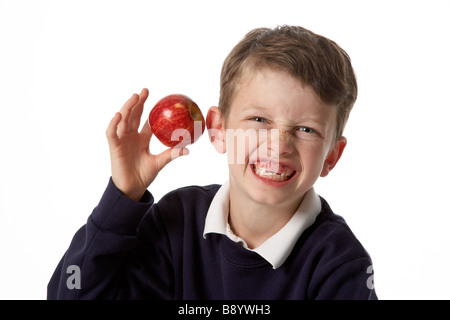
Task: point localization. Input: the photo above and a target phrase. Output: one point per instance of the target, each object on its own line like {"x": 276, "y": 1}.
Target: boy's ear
{"x": 216, "y": 129}
{"x": 333, "y": 156}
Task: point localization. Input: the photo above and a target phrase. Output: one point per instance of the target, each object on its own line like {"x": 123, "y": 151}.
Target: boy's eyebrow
{"x": 259, "y": 108}
{"x": 253, "y": 106}
{"x": 249, "y": 106}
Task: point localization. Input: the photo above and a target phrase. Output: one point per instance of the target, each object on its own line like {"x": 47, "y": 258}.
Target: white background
{"x": 67, "y": 66}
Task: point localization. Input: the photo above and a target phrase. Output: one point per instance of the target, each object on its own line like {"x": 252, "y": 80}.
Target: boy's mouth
{"x": 276, "y": 173}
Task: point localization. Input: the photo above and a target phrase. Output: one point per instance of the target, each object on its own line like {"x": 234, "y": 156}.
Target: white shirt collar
{"x": 275, "y": 249}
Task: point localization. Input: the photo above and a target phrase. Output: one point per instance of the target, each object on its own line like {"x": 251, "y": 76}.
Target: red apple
{"x": 176, "y": 120}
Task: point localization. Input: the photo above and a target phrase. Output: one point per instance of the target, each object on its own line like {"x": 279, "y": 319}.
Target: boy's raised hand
{"x": 133, "y": 167}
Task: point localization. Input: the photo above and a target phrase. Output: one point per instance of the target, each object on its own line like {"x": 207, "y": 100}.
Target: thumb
{"x": 168, "y": 155}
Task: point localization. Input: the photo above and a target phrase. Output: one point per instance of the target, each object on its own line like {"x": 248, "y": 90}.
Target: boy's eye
{"x": 306, "y": 129}
{"x": 258, "y": 119}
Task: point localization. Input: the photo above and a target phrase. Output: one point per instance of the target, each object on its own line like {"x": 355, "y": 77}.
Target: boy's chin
{"x": 271, "y": 200}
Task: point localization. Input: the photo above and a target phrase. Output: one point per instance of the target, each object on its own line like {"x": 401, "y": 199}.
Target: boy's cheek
{"x": 312, "y": 159}
{"x": 247, "y": 146}
{"x": 237, "y": 149}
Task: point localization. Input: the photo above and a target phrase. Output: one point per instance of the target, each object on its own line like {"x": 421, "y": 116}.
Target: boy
{"x": 264, "y": 234}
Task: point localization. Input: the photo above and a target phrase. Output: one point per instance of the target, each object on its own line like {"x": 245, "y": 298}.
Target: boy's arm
{"x": 91, "y": 267}
{"x": 122, "y": 252}
{"x": 352, "y": 280}
{"x": 100, "y": 249}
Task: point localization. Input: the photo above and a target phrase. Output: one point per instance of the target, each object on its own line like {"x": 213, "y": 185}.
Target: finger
{"x": 130, "y": 103}
{"x": 146, "y": 132}
{"x": 126, "y": 111}
{"x": 143, "y": 95}
{"x": 111, "y": 131}
{"x": 136, "y": 112}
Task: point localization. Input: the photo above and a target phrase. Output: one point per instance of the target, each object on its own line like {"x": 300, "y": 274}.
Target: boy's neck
{"x": 255, "y": 222}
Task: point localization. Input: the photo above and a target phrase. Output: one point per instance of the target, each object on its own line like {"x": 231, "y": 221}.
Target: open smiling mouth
{"x": 266, "y": 171}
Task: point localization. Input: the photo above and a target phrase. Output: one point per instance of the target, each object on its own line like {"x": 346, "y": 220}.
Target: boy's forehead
{"x": 273, "y": 86}
{"x": 263, "y": 75}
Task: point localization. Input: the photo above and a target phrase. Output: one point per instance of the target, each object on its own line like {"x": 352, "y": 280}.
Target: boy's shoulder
{"x": 191, "y": 201}
{"x": 192, "y": 193}
{"x": 331, "y": 234}
{"x": 184, "y": 208}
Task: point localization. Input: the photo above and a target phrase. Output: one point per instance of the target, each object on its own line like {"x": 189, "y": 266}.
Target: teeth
{"x": 262, "y": 172}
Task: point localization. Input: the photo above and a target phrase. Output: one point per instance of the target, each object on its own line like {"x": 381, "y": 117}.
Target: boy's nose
{"x": 280, "y": 142}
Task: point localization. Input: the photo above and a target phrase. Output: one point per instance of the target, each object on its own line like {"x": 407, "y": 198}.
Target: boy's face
{"x": 280, "y": 168}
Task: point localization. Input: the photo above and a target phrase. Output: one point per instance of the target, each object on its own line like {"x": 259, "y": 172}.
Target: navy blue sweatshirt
{"x": 147, "y": 250}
